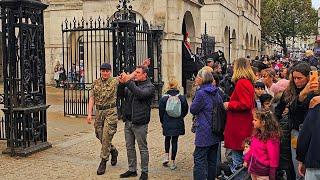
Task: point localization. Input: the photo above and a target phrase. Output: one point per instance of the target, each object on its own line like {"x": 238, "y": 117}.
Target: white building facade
{"x": 242, "y": 17}
{"x": 237, "y": 21}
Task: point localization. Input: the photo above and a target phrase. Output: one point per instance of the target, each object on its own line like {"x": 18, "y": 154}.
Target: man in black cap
{"x": 103, "y": 94}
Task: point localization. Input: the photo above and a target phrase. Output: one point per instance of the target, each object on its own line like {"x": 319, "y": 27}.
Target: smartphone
{"x": 314, "y": 76}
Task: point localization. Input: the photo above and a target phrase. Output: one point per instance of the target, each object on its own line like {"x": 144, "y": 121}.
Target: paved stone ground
{"x": 75, "y": 151}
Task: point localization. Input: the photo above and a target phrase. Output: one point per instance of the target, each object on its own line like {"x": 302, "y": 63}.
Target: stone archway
{"x": 234, "y": 46}
{"x": 251, "y": 47}
{"x": 255, "y": 47}
{"x": 226, "y": 42}
{"x": 188, "y": 27}
{"x": 188, "y": 48}
{"x": 247, "y": 44}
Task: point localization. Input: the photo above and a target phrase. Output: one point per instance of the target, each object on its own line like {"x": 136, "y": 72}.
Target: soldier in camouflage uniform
{"x": 103, "y": 94}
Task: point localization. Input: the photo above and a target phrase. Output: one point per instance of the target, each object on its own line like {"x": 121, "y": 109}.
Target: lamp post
{"x": 230, "y": 42}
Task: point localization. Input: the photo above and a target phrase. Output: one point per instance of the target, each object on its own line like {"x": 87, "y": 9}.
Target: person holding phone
{"x": 314, "y": 76}
{"x": 295, "y": 99}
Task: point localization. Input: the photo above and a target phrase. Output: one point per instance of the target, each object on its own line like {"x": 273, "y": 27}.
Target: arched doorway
{"x": 188, "y": 62}
{"x": 188, "y": 29}
{"x": 247, "y": 44}
{"x": 234, "y": 46}
{"x": 251, "y": 47}
{"x": 255, "y": 47}
{"x": 226, "y": 41}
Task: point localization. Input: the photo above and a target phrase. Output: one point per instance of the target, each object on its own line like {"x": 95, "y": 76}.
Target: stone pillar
{"x": 172, "y": 57}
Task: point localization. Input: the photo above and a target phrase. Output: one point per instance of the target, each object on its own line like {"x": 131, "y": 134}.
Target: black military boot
{"x": 102, "y": 167}
{"x": 114, "y": 157}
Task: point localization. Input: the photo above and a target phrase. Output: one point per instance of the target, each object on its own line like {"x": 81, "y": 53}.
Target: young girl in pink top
{"x": 262, "y": 159}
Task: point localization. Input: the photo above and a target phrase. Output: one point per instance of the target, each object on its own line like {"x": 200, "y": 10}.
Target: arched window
{"x": 80, "y": 48}
{"x": 247, "y": 41}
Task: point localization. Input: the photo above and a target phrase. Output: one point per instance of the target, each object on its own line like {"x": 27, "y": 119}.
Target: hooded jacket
{"x": 202, "y": 107}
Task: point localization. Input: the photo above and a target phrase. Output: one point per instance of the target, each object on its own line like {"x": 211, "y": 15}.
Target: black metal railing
{"x": 89, "y": 43}
{"x": 76, "y": 98}
{"x": 3, "y": 131}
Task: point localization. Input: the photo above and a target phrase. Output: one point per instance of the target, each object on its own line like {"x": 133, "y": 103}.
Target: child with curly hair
{"x": 263, "y": 156}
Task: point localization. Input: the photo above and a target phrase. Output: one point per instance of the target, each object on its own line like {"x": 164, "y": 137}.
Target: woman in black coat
{"x": 172, "y": 127}
{"x": 291, "y": 112}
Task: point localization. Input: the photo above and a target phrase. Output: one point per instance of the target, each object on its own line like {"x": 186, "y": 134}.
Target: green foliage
{"x": 283, "y": 19}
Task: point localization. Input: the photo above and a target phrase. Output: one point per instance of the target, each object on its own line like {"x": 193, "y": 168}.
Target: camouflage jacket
{"x": 104, "y": 91}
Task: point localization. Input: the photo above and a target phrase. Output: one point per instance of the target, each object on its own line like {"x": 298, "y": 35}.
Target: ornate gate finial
{"x": 124, "y": 9}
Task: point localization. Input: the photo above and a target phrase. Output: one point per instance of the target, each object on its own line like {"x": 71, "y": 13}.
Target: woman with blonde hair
{"x": 309, "y": 58}
{"x": 239, "y": 111}
{"x": 172, "y": 126}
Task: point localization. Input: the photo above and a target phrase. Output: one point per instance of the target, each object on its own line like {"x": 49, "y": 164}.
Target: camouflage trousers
{"x": 105, "y": 127}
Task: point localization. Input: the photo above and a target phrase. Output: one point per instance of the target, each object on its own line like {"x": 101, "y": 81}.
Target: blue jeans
{"x": 219, "y": 154}
{"x": 237, "y": 160}
{"x": 312, "y": 173}
{"x": 295, "y": 133}
{"x": 205, "y": 162}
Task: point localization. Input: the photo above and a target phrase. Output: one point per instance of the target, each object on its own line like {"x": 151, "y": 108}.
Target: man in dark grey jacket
{"x": 137, "y": 91}
{"x": 308, "y": 146}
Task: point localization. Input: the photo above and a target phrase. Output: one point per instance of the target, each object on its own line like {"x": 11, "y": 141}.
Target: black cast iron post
{"x": 25, "y": 105}
{"x": 124, "y": 39}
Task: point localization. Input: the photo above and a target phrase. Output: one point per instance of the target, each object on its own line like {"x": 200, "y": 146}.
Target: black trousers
{"x": 286, "y": 173}
{"x": 174, "y": 145}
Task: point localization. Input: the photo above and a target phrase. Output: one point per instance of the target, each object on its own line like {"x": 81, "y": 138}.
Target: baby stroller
{"x": 240, "y": 174}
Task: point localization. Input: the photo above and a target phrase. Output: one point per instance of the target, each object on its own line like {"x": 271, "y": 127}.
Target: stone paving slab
{"x": 77, "y": 157}
{"x": 75, "y": 151}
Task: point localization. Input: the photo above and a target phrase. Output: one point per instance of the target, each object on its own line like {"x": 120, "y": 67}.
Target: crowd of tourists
{"x": 270, "y": 115}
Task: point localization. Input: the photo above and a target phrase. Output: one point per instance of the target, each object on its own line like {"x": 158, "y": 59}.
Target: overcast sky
{"x": 316, "y": 3}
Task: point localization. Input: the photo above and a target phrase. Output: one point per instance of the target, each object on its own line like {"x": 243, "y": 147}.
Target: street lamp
{"x": 230, "y": 42}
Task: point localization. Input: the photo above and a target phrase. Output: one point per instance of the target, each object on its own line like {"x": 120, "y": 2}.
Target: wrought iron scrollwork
{"x": 24, "y": 78}
{"x": 1, "y": 98}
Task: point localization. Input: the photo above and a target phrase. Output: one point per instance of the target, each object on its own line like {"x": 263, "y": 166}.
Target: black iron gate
{"x": 120, "y": 41}
{"x": 3, "y": 131}
{"x": 25, "y": 108}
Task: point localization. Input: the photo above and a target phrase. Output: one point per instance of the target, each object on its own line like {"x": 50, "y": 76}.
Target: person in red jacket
{"x": 239, "y": 111}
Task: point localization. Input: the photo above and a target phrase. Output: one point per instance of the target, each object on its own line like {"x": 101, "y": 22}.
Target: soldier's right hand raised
{"x": 89, "y": 119}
